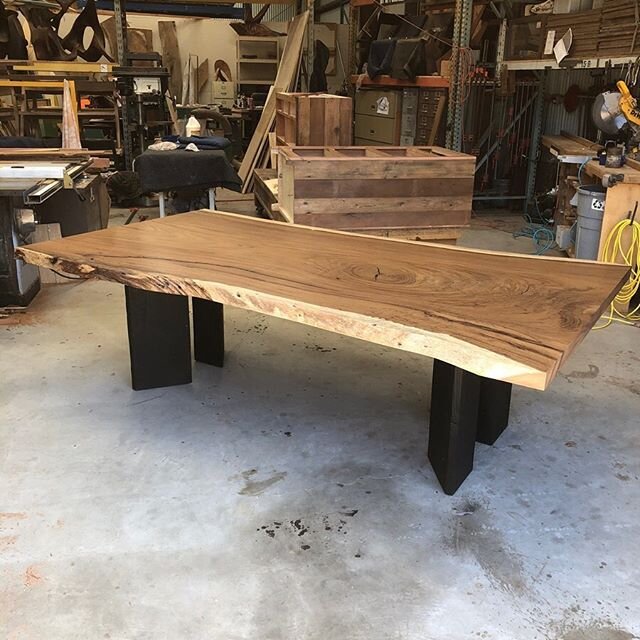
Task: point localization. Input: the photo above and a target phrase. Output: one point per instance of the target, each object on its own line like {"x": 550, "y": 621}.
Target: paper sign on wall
{"x": 548, "y": 45}
{"x": 382, "y": 106}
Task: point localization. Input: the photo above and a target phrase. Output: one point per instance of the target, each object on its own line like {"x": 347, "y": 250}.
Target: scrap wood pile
{"x": 257, "y": 155}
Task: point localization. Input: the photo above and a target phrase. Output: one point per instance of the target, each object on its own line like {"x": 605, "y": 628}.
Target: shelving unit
{"x": 35, "y": 102}
{"x": 257, "y": 60}
{"x": 428, "y": 82}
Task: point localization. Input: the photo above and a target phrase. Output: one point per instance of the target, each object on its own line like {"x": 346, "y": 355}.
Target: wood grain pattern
{"x": 375, "y": 187}
{"x": 503, "y": 316}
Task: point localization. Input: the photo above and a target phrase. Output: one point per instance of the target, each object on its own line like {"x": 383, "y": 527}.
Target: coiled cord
{"x": 615, "y": 252}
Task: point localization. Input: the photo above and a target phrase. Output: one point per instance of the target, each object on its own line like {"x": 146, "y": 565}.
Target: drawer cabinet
{"x": 381, "y": 130}
{"x": 378, "y": 117}
{"x": 368, "y": 103}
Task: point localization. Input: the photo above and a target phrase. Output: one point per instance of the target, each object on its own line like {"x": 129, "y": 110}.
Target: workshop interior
{"x": 363, "y": 185}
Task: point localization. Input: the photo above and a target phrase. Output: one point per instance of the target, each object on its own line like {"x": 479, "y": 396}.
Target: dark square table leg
{"x": 452, "y": 425}
{"x": 493, "y": 409}
{"x": 159, "y": 338}
{"x": 208, "y": 331}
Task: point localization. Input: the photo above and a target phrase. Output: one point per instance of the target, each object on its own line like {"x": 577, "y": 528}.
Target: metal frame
{"x": 461, "y": 36}
{"x": 120, "y": 14}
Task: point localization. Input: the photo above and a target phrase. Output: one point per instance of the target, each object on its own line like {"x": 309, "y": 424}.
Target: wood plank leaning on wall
{"x": 171, "y": 56}
{"x": 285, "y": 81}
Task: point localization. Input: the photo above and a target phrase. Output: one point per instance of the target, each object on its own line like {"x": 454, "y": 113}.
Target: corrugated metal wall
{"x": 578, "y": 122}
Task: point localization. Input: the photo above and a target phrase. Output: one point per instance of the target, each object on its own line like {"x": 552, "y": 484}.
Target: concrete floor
{"x": 288, "y": 496}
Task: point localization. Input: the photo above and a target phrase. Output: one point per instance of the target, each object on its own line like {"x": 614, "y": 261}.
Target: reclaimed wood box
{"x": 314, "y": 119}
{"x": 381, "y": 190}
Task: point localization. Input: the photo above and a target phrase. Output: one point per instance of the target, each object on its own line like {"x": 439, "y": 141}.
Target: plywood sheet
{"x": 504, "y": 316}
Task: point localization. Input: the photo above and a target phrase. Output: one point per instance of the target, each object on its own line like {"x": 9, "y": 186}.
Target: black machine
{"x": 82, "y": 207}
{"x": 144, "y": 105}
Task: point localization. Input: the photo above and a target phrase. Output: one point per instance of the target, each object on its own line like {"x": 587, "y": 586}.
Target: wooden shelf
{"x": 264, "y": 66}
{"x": 433, "y": 82}
{"x": 255, "y": 81}
{"x": 258, "y": 61}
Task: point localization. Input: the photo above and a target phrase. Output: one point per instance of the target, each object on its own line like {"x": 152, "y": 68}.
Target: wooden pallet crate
{"x": 312, "y": 119}
{"x": 376, "y": 188}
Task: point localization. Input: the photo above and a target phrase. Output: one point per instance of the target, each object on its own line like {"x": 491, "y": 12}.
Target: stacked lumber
{"x": 314, "y": 119}
{"x": 612, "y": 30}
{"x": 257, "y": 154}
{"x": 376, "y": 189}
{"x": 619, "y": 28}
{"x": 585, "y": 26}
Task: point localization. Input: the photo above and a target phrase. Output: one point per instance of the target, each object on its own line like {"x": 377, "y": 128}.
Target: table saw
{"x": 45, "y": 191}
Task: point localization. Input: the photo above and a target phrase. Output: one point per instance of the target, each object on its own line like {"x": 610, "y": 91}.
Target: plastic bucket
{"x": 590, "y": 213}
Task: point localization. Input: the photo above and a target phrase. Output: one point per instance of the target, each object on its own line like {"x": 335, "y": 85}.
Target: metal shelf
{"x": 258, "y": 61}
{"x": 437, "y": 82}
{"x": 567, "y": 63}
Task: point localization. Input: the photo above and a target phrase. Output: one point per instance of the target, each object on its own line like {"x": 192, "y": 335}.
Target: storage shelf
{"x": 263, "y": 66}
{"x": 258, "y": 61}
{"x": 568, "y": 63}
{"x": 434, "y": 82}
{"x": 255, "y": 81}
{"x": 57, "y": 113}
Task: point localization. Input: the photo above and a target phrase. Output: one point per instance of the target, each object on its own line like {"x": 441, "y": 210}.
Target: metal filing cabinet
{"x": 409, "y": 117}
{"x": 431, "y": 112}
{"x": 378, "y": 117}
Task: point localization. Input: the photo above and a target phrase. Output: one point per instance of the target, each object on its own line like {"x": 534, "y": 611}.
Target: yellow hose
{"x": 614, "y": 252}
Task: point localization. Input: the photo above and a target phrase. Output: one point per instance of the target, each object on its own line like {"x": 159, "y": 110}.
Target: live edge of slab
{"x": 505, "y": 316}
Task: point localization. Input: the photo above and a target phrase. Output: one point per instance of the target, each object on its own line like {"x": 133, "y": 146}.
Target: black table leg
{"x": 493, "y": 409}
{"x": 208, "y": 331}
{"x": 452, "y": 426}
{"x": 159, "y": 339}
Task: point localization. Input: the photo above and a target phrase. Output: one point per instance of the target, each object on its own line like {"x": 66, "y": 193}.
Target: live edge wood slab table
{"x": 489, "y": 320}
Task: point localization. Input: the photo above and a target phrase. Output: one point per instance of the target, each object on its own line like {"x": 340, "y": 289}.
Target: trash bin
{"x": 590, "y": 212}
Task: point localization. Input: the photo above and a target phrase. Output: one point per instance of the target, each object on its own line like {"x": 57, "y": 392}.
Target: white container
{"x": 193, "y": 127}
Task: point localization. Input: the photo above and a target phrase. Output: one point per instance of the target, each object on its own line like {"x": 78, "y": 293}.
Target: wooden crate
{"x": 313, "y": 119}
{"x": 376, "y": 188}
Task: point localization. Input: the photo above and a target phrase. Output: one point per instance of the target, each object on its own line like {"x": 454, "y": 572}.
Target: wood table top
{"x": 504, "y": 316}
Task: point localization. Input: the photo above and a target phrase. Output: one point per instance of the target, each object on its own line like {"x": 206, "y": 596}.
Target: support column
{"x": 159, "y": 338}
{"x": 455, "y": 395}
{"x": 493, "y": 409}
{"x": 208, "y": 331}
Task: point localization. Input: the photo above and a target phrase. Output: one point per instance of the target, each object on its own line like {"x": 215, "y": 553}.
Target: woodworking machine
{"x": 616, "y": 112}
{"x": 26, "y": 187}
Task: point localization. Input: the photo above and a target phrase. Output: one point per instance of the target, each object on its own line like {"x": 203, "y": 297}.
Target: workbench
{"x": 621, "y": 198}
{"x": 489, "y": 320}
{"x": 571, "y": 153}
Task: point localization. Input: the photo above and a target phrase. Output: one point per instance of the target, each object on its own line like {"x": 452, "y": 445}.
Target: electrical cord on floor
{"x": 542, "y": 236}
{"x": 614, "y": 252}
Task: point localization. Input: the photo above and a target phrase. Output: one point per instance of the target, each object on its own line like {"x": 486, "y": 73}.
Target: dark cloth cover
{"x": 168, "y": 170}
{"x": 205, "y": 143}
{"x": 408, "y": 59}
{"x": 380, "y": 57}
